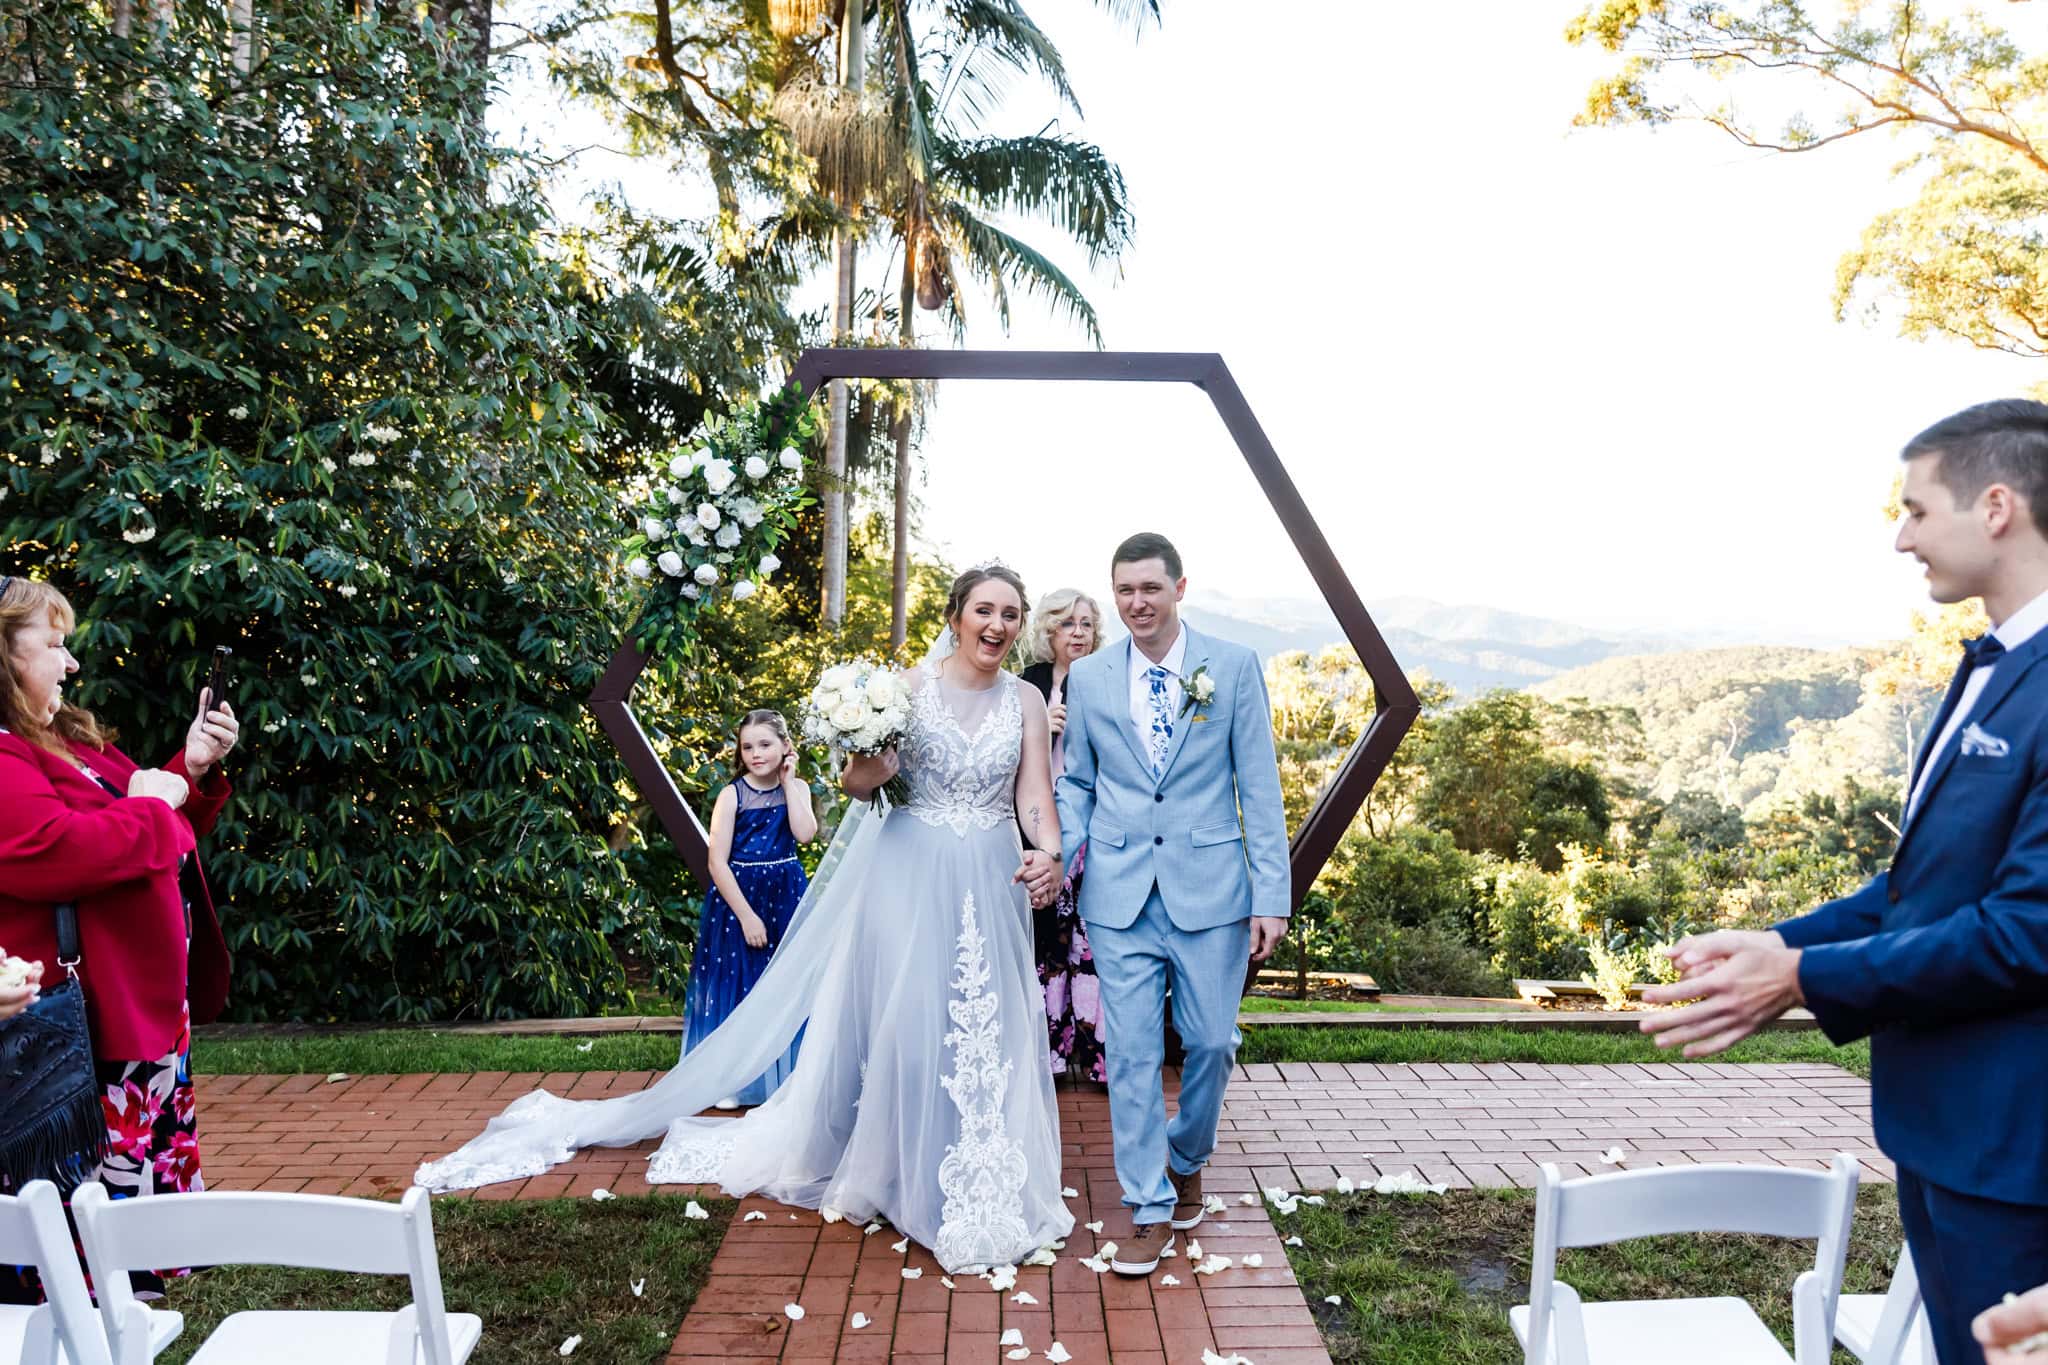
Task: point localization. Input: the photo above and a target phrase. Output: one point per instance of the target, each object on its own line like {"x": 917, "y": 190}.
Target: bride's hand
{"x": 864, "y": 776}
{"x": 1041, "y": 877}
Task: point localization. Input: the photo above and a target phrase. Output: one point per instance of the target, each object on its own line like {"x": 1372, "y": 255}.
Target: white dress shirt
{"x": 2012, "y": 632}
{"x": 1141, "y": 686}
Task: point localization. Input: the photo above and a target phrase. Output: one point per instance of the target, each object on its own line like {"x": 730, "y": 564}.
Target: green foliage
{"x": 287, "y": 370}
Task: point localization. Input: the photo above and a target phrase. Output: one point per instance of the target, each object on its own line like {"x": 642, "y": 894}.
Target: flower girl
{"x": 756, "y": 881}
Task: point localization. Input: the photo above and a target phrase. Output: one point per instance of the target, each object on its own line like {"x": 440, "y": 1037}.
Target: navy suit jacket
{"x": 1942, "y": 960}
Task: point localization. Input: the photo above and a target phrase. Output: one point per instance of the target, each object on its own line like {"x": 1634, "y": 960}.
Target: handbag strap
{"x": 68, "y": 952}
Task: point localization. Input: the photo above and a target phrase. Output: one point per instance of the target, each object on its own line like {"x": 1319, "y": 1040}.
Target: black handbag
{"x": 51, "y": 1123}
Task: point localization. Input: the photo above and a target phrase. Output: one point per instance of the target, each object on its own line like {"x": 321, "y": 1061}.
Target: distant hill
{"x": 1756, "y": 725}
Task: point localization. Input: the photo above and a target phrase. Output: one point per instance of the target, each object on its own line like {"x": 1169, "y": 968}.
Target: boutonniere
{"x": 1197, "y": 690}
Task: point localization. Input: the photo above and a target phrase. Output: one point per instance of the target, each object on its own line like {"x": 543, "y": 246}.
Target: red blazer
{"x": 63, "y": 837}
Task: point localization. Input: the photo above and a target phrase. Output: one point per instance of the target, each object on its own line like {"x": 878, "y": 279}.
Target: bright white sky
{"x": 1591, "y": 375}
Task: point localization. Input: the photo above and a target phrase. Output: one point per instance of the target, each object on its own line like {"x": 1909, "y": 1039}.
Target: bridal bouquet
{"x": 860, "y": 707}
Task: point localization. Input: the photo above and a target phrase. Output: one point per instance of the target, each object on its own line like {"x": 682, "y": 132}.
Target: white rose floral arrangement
{"x": 860, "y": 707}
{"x": 706, "y": 523}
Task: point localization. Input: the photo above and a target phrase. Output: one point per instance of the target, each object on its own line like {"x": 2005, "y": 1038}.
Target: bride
{"x": 923, "y": 1093}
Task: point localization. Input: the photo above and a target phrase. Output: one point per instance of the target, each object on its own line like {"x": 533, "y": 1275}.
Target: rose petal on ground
{"x": 585, "y": 1047}
{"x": 1042, "y": 1256}
{"x": 1093, "y": 1227}
{"x": 1248, "y": 1200}
{"x": 1013, "y": 1337}
{"x": 754, "y": 1216}
{"x": 1294, "y": 1241}
{"x": 1255, "y": 1260}
{"x": 1613, "y": 1156}
{"x": 1003, "y": 1278}
{"x": 871, "y": 1229}
{"x": 793, "y": 1311}
{"x": 601, "y": 1195}
{"x": 568, "y": 1348}
{"x": 1194, "y": 1250}
{"x": 1069, "y": 1192}
{"x": 1057, "y": 1354}
{"x": 1213, "y": 1204}
{"x": 1344, "y": 1185}
{"x": 900, "y": 1248}
{"x": 695, "y": 1211}
{"x": 1100, "y": 1267}
{"x": 1105, "y": 1251}
{"x": 1023, "y": 1296}
{"x": 1333, "y": 1298}
{"x": 860, "y": 1320}
{"x": 1169, "y": 1280}
{"x": 910, "y": 1274}
{"x": 832, "y": 1215}
{"x": 946, "y": 1282}
{"x": 334, "y": 1076}
{"x": 1021, "y": 1353}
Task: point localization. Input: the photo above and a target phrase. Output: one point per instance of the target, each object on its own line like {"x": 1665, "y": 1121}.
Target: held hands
{"x": 1739, "y": 981}
{"x": 1040, "y": 874}
{"x": 2007, "y": 1331}
{"x": 212, "y": 735}
{"x": 1267, "y": 931}
{"x": 168, "y": 788}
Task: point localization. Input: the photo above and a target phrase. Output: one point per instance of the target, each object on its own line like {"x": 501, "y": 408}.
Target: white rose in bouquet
{"x": 849, "y": 716}
{"x": 790, "y": 459}
{"x": 680, "y": 467}
{"x": 692, "y": 591}
{"x": 653, "y": 527}
{"x": 676, "y": 497}
{"x": 718, "y": 476}
{"x": 707, "y": 574}
{"x": 695, "y": 533}
{"x": 769, "y": 564}
{"x": 885, "y": 690}
{"x": 637, "y": 567}
{"x": 742, "y": 590}
{"x": 671, "y": 563}
{"x": 838, "y": 676}
{"x": 728, "y": 535}
{"x": 700, "y": 457}
{"x": 708, "y": 516}
{"x": 748, "y": 511}
{"x": 756, "y": 466}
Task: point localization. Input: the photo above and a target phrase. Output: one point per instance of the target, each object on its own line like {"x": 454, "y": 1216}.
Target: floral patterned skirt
{"x": 1066, "y": 969}
{"x": 152, "y": 1148}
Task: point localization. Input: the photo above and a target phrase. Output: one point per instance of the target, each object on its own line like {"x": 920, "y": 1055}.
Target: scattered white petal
{"x": 601, "y": 1195}
{"x": 1013, "y": 1337}
{"x": 1169, "y": 1280}
{"x": 1211, "y": 1358}
{"x": 1023, "y": 1296}
{"x": 334, "y": 1076}
{"x": 1248, "y": 1200}
{"x": 1021, "y": 1353}
{"x": 1213, "y": 1265}
{"x": 1096, "y": 1264}
{"x": 1277, "y": 1195}
{"x": 1167, "y": 1251}
{"x": 1213, "y": 1204}
{"x": 585, "y": 1047}
{"x": 909, "y": 1274}
{"x": 1344, "y": 1185}
{"x": 792, "y": 1218}
{"x": 1060, "y": 1245}
{"x": 1333, "y": 1298}
{"x": 900, "y": 1248}
{"x": 1042, "y": 1256}
{"x": 568, "y": 1348}
{"x": 638, "y": 1286}
{"x": 1057, "y": 1354}
{"x": 946, "y": 1282}
{"x": 871, "y": 1229}
{"x": 695, "y": 1210}
{"x": 831, "y": 1215}
{"x": 1407, "y": 1182}
{"x": 754, "y": 1216}
{"x": 1314, "y": 1199}
{"x": 861, "y": 1320}
{"x": 1613, "y": 1156}
{"x": 1294, "y": 1241}
{"x": 1255, "y": 1260}
{"x": 1105, "y": 1251}
{"x": 1003, "y": 1278}
{"x": 793, "y": 1311}
{"x": 1069, "y": 1192}
{"x": 1194, "y": 1250}
{"x": 1093, "y": 1227}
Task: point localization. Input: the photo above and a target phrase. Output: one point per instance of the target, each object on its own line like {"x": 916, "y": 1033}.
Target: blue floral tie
{"x": 1162, "y": 719}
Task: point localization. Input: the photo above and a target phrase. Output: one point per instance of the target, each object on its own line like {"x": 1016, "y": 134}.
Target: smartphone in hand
{"x": 216, "y": 680}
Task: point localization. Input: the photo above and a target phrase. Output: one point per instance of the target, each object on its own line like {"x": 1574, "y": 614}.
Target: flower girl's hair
{"x": 772, "y": 719}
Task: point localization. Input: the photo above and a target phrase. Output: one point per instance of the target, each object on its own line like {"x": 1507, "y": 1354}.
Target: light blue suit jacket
{"x": 1181, "y": 829}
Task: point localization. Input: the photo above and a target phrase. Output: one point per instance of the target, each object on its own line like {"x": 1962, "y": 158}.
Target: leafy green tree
{"x": 288, "y": 371}
{"x": 1964, "y": 257}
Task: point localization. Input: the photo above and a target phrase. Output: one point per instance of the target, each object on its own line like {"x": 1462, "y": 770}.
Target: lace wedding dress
{"x": 923, "y": 1094}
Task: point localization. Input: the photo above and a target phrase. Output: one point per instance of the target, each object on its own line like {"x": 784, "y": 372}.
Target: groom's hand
{"x": 1267, "y": 931}
{"x": 1041, "y": 877}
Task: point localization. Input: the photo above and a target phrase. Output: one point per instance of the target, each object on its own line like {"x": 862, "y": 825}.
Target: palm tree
{"x": 937, "y": 183}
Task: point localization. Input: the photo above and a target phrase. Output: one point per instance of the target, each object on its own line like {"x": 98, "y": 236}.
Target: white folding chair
{"x": 1555, "y": 1328}
{"x": 1889, "y": 1328}
{"x": 315, "y": 1231}
{"x": 62, "y": 1329}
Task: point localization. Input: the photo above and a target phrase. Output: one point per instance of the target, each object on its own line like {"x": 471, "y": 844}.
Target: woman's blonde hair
{"x": 24, "y": 602}
{"x": 1053, "y": 608}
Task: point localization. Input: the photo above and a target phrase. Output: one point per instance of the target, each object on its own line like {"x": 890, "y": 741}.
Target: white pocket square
{"x": 1977, "y": 740}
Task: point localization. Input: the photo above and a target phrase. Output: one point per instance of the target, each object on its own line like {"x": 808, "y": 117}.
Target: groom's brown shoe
{"x": 1139, "y": 1253}
{"x": 1187, "y": 1199}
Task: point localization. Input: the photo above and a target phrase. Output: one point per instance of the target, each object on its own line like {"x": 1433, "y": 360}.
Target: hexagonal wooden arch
{"x": 1395, "y": 702}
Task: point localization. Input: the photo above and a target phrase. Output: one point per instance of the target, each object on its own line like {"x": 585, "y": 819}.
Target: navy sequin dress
{"x": 764, "y": 863}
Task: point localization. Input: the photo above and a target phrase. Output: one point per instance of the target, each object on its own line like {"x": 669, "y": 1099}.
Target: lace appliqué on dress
{"x": 957, "y": 781}
{"x": 691, "y": 1158}
{"x": 983, "y": 1174}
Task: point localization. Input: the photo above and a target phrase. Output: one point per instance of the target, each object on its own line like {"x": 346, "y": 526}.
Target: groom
{"x": 1172, "y": 782}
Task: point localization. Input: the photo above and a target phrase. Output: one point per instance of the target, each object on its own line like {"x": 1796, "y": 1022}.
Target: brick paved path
{"x": 1296, "y": 1125}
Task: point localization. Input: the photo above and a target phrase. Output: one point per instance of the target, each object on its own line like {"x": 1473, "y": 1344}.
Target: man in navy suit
{"x": 1942, "y": 960}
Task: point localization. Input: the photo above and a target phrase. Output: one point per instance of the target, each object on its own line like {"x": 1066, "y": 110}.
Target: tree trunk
{"x": 242, "y": 20}
{"x": 899, "y": 580}
{"x": 124, "y": 17}
{"x": 852, "y": 75}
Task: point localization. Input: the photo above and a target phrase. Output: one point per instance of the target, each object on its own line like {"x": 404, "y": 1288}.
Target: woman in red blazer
{"x": 80, "y": 822}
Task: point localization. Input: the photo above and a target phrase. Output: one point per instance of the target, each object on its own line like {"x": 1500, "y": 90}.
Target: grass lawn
{"x": 536, "y": 1272}
{"x": 1269, "y": 1004}
{"x": 408, "y": 1051}
{"x": 1428, "y": 1279}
